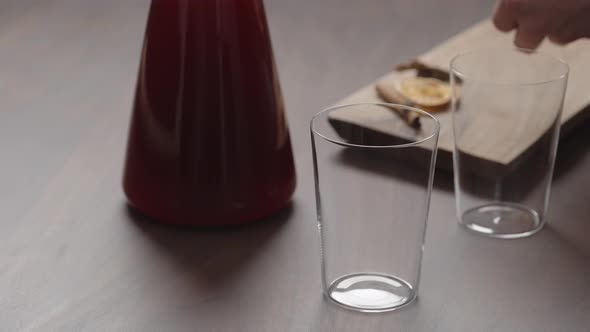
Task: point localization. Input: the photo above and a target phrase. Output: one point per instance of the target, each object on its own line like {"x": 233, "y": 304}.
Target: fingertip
{"x": 504, "y": 24}
{"x": 526, "y": 45}
{"x": 528, "y": 40}
{"x": 570, "y": 32}
{"x": 559, "y": 40}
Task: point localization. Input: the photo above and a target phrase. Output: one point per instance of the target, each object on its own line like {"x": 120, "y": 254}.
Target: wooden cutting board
{"x": 484, "y": 35}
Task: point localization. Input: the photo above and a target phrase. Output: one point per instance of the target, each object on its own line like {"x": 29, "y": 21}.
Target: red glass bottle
{"x": 208, "y": 143}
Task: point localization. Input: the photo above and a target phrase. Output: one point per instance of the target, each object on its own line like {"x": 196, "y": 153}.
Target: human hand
{"x": 563, "y": 21}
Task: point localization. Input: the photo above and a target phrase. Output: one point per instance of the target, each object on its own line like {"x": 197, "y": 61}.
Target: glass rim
{"x": 454, "y": 69}
{"x": 435, "y": 133}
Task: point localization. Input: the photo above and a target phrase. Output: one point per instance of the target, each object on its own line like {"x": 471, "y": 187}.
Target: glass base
{"x": 371, "y": 292}
{"x": 502, "y": 220}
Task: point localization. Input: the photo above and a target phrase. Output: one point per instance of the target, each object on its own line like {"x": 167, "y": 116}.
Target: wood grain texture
{"x": 513, "y": 133}
{"x": 74, "y": 258}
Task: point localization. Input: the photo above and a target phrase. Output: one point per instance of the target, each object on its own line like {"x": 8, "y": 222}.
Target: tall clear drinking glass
{"x": 373, "y": 175}
{"x": 507, "y": 106}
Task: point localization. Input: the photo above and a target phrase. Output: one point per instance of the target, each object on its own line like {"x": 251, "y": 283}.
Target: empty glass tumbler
{"x": 507, "y": 106}
{"x": 373, "y": 175}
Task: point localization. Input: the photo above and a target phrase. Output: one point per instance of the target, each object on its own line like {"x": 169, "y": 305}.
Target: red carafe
{"x": 208, "y": 142}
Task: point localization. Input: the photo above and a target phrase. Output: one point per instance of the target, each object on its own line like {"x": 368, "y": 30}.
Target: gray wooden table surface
{"x": 74, "y": 258}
